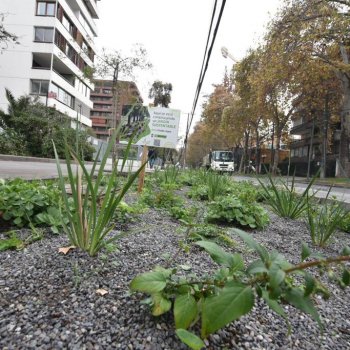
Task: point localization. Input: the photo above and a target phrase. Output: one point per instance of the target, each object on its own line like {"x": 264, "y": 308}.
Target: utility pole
{"x": 185, "y": 142}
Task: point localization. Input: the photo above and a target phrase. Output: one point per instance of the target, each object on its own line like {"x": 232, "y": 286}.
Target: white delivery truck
{"x": 219, "y": 161}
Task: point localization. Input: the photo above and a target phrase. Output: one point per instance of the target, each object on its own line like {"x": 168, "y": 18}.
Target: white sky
{"x": 174, "y": 33}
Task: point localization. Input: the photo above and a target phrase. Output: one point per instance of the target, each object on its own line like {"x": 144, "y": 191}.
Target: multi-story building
{"x": 102, "y": 113}
{"x": 54, "y": 56}
{"x": 306, "y": 149}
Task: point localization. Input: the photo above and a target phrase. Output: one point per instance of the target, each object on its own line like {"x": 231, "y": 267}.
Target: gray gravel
{"x": 49, "y": 301}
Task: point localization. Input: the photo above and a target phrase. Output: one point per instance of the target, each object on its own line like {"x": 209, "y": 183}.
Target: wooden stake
{"x": 143, "y": 171}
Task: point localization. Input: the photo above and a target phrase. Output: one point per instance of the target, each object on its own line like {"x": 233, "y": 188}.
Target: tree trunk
{"x": 246, "y": 150}
{"x": 242, "y": 166}
{"x": 345, "y": 118}
{"x": 276, "y": 158}
{"x": 257, "y": 151}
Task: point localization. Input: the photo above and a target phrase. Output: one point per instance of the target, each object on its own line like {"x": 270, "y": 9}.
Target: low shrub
{"x": 323, "y": 221}
{"x": 217, "y": 299}
{"x": 91, "y": 219}
{"x": 183, "y": 213}
{"x": 199, "y": 192}
{"x": 283, "y": 199}
{"x": 205, "y": 232}
{"x": 22, "y": 201}
{"x": 231, "y": 209}
{"x": 344, "y": 224}
{"x": 218, "y": 185}
{"x": 126, "y": 213}
{"x": 245, "y": 191}
{"x": 161, "y": 199}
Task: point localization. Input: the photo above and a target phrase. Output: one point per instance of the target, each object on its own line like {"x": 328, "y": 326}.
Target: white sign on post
{"x": 164, "y": 125}
{"x": 151, "y": 126}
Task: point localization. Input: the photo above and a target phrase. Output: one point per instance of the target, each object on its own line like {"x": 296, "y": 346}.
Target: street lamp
{"x": 225, "y": 53}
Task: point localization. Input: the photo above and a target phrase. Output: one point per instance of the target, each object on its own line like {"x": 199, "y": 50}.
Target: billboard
{"x": 151, "y": 126}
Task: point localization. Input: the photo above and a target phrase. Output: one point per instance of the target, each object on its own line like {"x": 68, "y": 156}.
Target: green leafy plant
{"x": 90, "y": 222}
{"x": 244, "y": 190}
{"x": 170, "y": 174}
{"x": 125, "y": 212}
{"x": 12, "y": 242}
{"x": 199, "y": 192}
{"x": 183, "y": 213}
{"x": 344, "y": 224}
{"x": 188, "y": 177}
{"x": 53, "y": 217}
{"x": 217, "y": 184}
{"x": 283, "y": 200}
{"x": 21, "y": 201}
{"x": 323, "y": 221}
{"x": 201, "y": 232}
{"x": 232, "y": 290}
{"x": 163, "y": 198}
{"x": 230, "y": 209}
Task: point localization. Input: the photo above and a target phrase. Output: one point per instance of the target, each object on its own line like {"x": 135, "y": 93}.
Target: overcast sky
{"x": 174, "y": 33}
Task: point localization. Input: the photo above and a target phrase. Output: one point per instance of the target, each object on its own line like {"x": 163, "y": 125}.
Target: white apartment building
{"x": 54, "y": 55}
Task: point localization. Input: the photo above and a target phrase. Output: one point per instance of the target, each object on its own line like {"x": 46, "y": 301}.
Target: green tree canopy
{"x": 161, "y": 93}
{"x": 29, "y": 127}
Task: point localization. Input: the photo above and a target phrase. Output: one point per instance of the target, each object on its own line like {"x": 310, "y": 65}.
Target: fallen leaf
{"x": 101, "y": 291}
{"x": 65, "y": 250}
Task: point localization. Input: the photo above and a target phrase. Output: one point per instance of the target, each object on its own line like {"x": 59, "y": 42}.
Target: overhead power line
{"x": 205, "y": 62}
{"x": 206, "y": 57}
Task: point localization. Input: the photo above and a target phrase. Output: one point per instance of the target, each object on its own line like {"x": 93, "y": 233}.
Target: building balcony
{"x": 68, "y": 36}
{"x": 306, "y": 141}
{"x": 59, "y": 56}
{"x": 73, "y": 16}
{"x": 73, "y": 114}
{"x": 86, "y": 8}
{"x": 301, "y": 128}
{"x": 64, "y": 84}
{"x": 92, "y": 6}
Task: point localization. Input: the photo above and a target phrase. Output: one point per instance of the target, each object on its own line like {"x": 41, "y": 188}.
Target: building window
{"x": 45, "y": 8}
{"x": 43, "y": 34}
{"x": 39, "y": 87}
{"x": 107, "y": 91}
{"x": 82, "y": 88}
{"x": 63, "y": 96}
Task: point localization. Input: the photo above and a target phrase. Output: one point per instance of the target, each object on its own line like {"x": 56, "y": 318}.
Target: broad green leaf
{"x": 277, "y": 276}
{"x": 190, "y": 339}
{"x": 161, "y": 305}
{"x": 297, "y": 299}
{"x": 237, "y": 262}
{"x": 273, "y": 304}
{"x": 256, "y": 267}
{"x": 346, "y": 251}
{"x": 232, "y": 302}
{"x": 305, "y": 251}
{"x": 222, "y": 274}
{"x": 251, "y": 243}
{"x": 17, "y": 221}
{"x": 149, "y": 282}
{"x": 310, "y": 284}
{"x": 11, "y": 243}
{"x": 216, "y": 253}
{"x": 185, "y": 310}
{"x": 346, "y": 277}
